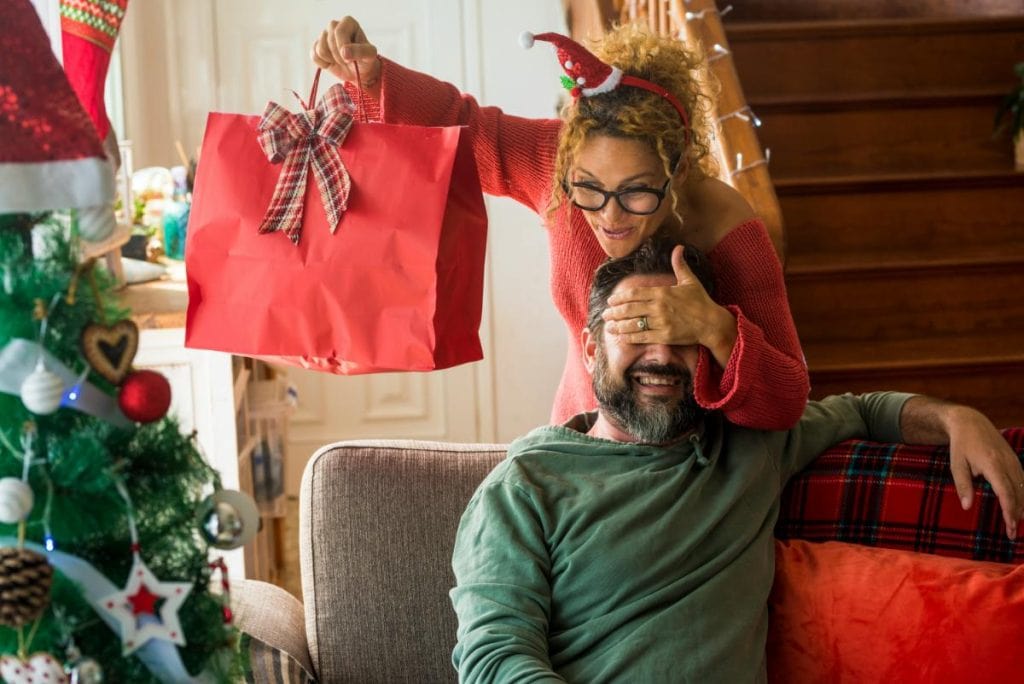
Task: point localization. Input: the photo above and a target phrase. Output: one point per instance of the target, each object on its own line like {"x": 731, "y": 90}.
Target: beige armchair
{"x": 377, "y": 528}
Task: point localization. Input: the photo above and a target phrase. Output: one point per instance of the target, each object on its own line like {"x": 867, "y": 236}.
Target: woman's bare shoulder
{"x": 715, "y": 208}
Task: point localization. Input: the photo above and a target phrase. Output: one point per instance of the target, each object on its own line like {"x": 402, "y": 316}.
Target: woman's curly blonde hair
{"x": 629, "y": 112}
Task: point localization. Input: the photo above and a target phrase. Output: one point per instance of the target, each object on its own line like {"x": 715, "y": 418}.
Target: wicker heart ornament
{"x": 111, "y": 349}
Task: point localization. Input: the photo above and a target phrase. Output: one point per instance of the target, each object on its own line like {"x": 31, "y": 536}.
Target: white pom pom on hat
{"x": 526, "y": 40}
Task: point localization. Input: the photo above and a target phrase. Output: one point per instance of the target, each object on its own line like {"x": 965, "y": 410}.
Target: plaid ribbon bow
{"x": 298, "y": 140}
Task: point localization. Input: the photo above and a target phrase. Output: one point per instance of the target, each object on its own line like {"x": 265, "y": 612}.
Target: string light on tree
{"x": 74, "y": 393}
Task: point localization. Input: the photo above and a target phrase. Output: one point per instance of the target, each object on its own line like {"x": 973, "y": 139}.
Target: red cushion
{"x": 849, "y": 613}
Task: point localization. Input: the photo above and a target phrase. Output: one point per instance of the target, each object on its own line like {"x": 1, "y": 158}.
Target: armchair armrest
{"x": 273, "y": 624}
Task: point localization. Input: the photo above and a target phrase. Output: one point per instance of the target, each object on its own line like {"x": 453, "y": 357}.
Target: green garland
{"x": 79, "y": 458}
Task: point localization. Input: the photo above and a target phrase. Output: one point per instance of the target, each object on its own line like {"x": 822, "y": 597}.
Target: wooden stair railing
{"x": 742, "y": 161}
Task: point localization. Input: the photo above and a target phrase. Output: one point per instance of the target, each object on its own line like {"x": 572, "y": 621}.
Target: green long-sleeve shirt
{"x": 586, "y": 560}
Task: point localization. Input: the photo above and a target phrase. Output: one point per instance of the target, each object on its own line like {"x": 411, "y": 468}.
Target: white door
{"x": 235, "y": 55}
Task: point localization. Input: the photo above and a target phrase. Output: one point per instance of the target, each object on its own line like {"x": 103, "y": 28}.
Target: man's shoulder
{"x": 543, "y": 438}
{"x": 526, "y": 471}
{"x": 544, "y": 452}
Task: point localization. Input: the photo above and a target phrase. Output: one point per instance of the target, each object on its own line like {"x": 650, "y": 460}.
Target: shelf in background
{"x": 158, "y": 304}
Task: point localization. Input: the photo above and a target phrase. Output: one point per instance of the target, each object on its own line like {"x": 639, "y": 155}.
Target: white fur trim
{"x": 40, "y": 186}
{"x": 526, "y": 40}
{"x": 607, "y": 85}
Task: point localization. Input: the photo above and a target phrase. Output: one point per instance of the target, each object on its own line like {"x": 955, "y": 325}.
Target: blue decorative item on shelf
{"x": 175, "y": 228}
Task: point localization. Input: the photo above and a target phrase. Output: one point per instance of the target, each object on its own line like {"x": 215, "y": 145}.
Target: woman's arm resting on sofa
{"x": 975, "y": 449}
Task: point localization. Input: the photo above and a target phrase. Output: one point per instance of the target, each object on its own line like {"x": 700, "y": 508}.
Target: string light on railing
{"x": 717, "y": 53}
{"x": 740, "y": 168}
{"x": 743, "y": 114}
{"x": 699, "y": 14}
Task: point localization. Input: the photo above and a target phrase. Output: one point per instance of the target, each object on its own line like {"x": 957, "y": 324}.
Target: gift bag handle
{"x": 359, "y": 88}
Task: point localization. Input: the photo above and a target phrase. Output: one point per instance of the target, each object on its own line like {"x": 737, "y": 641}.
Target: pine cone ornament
{"x": 25, "y": 578}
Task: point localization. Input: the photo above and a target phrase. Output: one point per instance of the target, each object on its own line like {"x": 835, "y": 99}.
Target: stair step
{"x": 888, "y": 305}
{"x": 992, "y": 389}
{"x": 815, "y": 10}
{"x": 809, "y": 267}
{"x": 870, "y": 56}
{"x": 903, "y": 222}
{"x": 916, "y": 180}
{"x": 924, "y": 353}
{"x": 837, "y": 102}
{"x": 847, "y": 142}
{"x": 906, "y": 251}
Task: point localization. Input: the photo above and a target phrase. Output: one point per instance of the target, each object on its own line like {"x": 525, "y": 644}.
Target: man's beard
{"x": 652, "y": 420}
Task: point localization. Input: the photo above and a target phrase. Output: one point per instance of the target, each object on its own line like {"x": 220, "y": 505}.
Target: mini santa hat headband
{"x": 586, "y": 75}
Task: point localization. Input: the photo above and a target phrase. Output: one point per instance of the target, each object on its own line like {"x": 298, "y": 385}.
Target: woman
{"x": 616, "y": 167}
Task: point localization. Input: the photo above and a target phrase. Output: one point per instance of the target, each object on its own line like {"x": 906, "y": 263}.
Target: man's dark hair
{"x": 653, "y": 256}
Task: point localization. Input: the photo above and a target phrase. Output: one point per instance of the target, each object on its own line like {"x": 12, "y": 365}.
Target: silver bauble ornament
{"x": 16, "y": 500}
{"x": 42, "y": 391}
{"x": 95, "y": 224}
{"x": 228, "y": 519}
{"x": 84, "y": 671}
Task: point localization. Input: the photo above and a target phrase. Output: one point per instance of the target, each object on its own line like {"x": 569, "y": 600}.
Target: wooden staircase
{"x": 904, "y": 218}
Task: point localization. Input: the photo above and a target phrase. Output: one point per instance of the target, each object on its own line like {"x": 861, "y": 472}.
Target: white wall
{"x": 528, "y": 343}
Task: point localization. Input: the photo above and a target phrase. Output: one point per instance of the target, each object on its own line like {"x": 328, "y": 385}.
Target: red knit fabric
{"x": 765, "y": 384}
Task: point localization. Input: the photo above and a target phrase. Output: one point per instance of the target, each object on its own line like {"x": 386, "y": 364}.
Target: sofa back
{"x": 377, "y": 528}
{"x": 378, "y": 521}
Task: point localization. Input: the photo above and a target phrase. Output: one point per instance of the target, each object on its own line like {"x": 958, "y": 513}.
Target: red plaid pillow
{"x": 899, "y": 497}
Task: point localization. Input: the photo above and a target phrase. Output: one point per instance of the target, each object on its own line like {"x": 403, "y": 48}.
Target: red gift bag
{"x": 393, "y": 281}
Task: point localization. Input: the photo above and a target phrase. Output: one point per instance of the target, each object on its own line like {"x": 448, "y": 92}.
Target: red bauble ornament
{"x": 145, "y": 396}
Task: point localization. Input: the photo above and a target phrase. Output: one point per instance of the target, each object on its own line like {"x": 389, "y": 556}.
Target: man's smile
{"x": 648, "y": 379}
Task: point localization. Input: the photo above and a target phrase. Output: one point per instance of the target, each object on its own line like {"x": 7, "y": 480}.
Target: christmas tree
{"x": 107, "y": 511}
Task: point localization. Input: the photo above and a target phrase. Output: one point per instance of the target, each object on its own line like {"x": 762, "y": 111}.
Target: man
{"x": 635, "y": 544}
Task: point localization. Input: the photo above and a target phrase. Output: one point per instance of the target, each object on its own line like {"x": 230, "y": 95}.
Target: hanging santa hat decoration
{"x": 50, "y": 154}
{"x": 586, "y": 75}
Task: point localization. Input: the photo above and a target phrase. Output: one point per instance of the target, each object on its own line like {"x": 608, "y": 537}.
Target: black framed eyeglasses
{"x": 639, "y": 200}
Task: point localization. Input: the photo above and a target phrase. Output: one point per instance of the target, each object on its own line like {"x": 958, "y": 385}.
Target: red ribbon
{"x": 225, "y": 587}
{"x": 309, "y": 138}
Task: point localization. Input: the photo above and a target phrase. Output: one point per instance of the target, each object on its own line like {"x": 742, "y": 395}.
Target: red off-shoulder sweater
{"x": 763, "y": 386}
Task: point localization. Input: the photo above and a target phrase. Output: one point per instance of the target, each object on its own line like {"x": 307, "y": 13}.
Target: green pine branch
{"x": 79, "y": 460}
